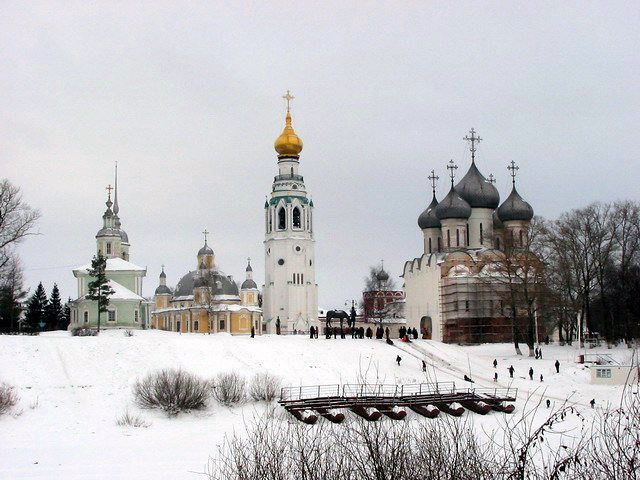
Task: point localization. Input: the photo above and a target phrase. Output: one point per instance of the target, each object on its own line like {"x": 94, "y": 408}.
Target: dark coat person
{"x": 398, "y": 359}
{"x": 531, "y": 373}
{"x": 415, "y": 333}
{"x": 369, "y": 333}
{"x": 511, "y": 370}
{"x": 312, "y": 331}
{"x": 557, "y": 366}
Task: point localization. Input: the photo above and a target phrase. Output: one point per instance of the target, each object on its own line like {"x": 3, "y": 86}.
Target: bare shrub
{"x": 128, "y": 332}
{"x": 129, "y": 420}
{"x": 172, "y": 390}
{"x": 84, "y": 332}
{"x": 8, "y": 398}
{"x": 265, "y": 386}
{"x": 229, "y": 388}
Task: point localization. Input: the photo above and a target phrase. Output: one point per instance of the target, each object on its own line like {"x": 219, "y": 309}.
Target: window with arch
{"x": 429, "y": 245}
{"x": 108, "y": 248}
{"x": 481, "y": 235}
{"x": 448, "y": 238}
{"x": 521, "y": 241}
{"x": 457, "y": 237}
{"x": 439, "y": 244}
{"x": 282, "y": 219}
{"x": 296, "y": 218}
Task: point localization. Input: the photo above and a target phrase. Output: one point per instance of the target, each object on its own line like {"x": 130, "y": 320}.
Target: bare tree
{"x": 17, "y": 220}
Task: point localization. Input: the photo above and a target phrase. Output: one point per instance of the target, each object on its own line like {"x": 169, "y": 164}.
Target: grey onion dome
{"x": 428, "y": 218}
{"x": 515, "y": 208}
{"x": 249, "y": 269}
{"x": 477, "y": 191}
{"x": 382, "y": 276}
{"x": 123, "y": 236}
{"x": 453, "y": 206}
{"x": 162, "y": 274}
{"x": 108, "y": 232}
{"x": 218, "y": 281}
{"x": 162, "y": 289}
{"x": 248, "y": 284}
{"x": 206, "y": 250}
{"x": 497, "y": 223}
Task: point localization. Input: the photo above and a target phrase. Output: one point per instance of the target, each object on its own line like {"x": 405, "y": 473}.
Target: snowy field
{"x": 72, "y": 390}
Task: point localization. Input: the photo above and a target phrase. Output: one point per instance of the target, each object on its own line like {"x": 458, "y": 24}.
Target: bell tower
{"x": 290, "y": 292}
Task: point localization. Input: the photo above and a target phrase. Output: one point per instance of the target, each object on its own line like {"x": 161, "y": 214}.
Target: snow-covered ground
{"x": 72, "y": 390}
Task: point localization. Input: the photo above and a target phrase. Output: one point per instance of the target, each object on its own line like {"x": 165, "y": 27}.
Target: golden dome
{"x": 288, "y": 143}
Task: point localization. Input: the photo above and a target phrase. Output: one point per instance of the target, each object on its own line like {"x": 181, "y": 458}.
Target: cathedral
{"x": 290, "y": 293}
{"x": 206, "y": 300}
{"x": 452, "y": 292}
{"x": 127, "y": 308}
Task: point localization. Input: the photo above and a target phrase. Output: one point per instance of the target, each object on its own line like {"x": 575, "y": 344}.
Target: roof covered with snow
{"x": 115, "y": 264}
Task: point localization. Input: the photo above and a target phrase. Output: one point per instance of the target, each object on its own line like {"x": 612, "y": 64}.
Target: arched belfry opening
{"x": 426, "y": 328}
{"x": 282, "y": 219}
{"x": 296, "y": 218}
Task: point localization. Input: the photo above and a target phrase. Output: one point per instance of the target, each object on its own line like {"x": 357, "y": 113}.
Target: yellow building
{"x": 208, "y": 301}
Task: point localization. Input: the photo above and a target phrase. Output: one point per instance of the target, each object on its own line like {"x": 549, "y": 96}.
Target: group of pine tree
{"x": 42, "y": 313}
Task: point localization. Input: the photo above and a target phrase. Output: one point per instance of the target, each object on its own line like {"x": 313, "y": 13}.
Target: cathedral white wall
{"x": 454, "y": 225}
{"x": 482, "y": 216}
{"x": 422, "y": 289}
{"x": 431, "y": 234}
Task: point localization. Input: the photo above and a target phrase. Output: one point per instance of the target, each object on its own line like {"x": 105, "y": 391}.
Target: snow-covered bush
{"x": 229, "y": 388}
{"x": 8, "y": 397}
{"x": 84, "y": 332}
{"x": 265, "y": 386}
{"x": 172, "y": 390}
{"x": 129, "y": 420}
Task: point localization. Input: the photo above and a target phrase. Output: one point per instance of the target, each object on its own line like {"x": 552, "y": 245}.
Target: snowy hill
{"x": 73, "y": 389}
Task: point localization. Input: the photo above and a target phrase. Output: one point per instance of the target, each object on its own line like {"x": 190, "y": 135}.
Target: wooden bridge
{"x": 372, "y": 401}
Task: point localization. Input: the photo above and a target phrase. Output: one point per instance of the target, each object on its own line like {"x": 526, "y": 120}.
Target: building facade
{"x": 290, "y": 293}
{"x": 127, "y": 308}
{"x": 455, "y": 291}
{"x": 206, "y": 300}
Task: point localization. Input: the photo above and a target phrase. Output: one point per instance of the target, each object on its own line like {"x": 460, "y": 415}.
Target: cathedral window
{"x": 467, "y": 235}
{"x": 439, "y": 244}
{"x": 282, "y": 219}
{"x": 86, "y": 317}
{"x": 196, "y": 325}
{"x": 136, "y": 316}
{"x": 457, "y": 237}
{"x": 466, "y": 305}
{"x": 448, "y": 238}
{"x": 111, "y": 315}
{"x": 108, "y": 248}
{"x": 221, "y": 324}
{"x": 296, "y": 218}
{"x": 521, "y": 242}
{"x": 481, "y": 236}
{"x": 429, "y": 245}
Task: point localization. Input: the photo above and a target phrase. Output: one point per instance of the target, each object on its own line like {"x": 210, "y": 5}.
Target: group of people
{"x": 406, "y": 333}
{"x": 512, "y": 370}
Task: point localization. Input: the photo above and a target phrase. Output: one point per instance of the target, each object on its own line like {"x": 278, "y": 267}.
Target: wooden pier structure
{"x": 372, "y": 401}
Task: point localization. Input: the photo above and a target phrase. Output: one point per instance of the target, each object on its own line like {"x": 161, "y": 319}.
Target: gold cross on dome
{"x": 109, "y": 188}
{"x": 288, "y": 97}
{"x": 205, "y": 235}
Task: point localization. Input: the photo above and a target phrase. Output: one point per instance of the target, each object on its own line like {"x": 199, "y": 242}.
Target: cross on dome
{"x": 513, "y": 169}
{"x": 434, "y": 180}
{"x": 288, "y": 97}
{"x": 108, "y": 189}
{"x": 492, "y": 178}
{"x": 452, "y": 167}
{"x": 472, "y": 140}
{"x": 205, "y": 233}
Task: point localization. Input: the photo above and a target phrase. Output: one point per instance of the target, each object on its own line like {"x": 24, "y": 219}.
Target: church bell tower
{"x": 290, "y": 293}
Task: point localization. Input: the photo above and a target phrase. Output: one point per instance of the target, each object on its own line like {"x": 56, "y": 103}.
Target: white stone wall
{"x": 422, "y": 288}
{"x": 482, "y": 216}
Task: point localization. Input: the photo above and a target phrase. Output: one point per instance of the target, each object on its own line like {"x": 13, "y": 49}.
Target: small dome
{"x": 249, "y": 269}
{"x": 288, "y": 143}
{"x": 382, "y": 276}
{"x": 428, "y": 218}
{"x": 123, "y": 236}
{"x": 108, "y": 232}
{"x": 477, "y": 191}
{"x": 206, "y": 250}
{"x": 163, "y": 289}
{"x": 515, "y": 208}
{"x": 248, "y": 284}
{"x": 453, "y": 206}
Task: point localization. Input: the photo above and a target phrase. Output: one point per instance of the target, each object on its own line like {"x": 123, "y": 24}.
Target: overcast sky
{"x": 186, "y": 97}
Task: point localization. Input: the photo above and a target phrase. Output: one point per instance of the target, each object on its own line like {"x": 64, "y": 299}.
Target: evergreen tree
{"x": 53, "y": 312}
{"x": 66, "y": 316}
{"x": 99, "y": 289}
{"x": 36, "y": 307}
{"x": 12, "y": 294}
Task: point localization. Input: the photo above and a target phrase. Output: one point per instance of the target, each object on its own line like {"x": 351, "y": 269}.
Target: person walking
{"x": 548, "y": 403}
{"x": 540, "y": 353}
{"x": 495, "y": 363}
{"x": 593, "y": 403}
{"x": 557, "y": 366}
{"x": 253, "y": 332}
{"x": 424, "y": 366}
{"x": 531, "y": 373}
{"x": 495, "y": 376}
{"x": 541, "y": 378}
{"x": 511, "y": 370}
{"x": 312, "y": 331}
{"x": 398, "y": 359}
{"x": 536, "y": 351}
